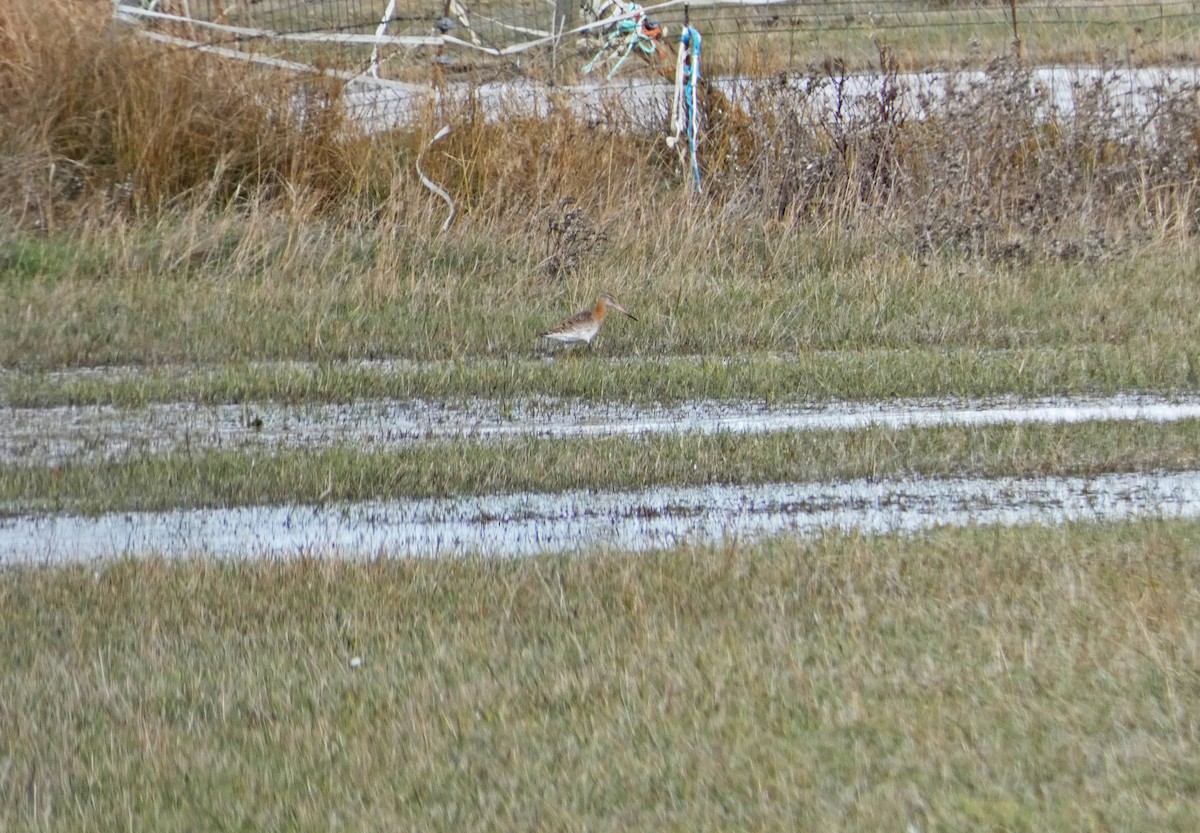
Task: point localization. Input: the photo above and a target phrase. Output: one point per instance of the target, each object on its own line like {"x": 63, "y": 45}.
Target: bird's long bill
{"x": 620, "y": 308}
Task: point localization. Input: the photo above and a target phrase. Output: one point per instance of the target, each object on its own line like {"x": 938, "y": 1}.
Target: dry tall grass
{"x": 993, "y": 166}
{"x": 93, "y": 115}
{"x": 94, "y": 119}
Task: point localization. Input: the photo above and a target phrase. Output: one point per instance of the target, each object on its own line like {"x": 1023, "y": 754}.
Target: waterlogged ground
{"x": 530, "y": 523}
{"x": 55, "y": 435}
{"x": 632, "y": 521}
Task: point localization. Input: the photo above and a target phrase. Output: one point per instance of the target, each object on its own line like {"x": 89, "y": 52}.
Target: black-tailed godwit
{"x": 582, "y": 327}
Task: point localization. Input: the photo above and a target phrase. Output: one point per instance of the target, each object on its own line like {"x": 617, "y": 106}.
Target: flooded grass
{"x": 221, "y": 478}
{"x": 53, "y": 436}
{"x": 168, "y": 238}
{"x": 963, "y": 679}
{"x": 579, "y": 522}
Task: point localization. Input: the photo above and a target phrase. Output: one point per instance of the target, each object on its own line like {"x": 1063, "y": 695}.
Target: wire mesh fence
{"x": 400, "y": 38}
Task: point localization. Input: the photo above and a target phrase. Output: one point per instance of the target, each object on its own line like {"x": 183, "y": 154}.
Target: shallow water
{"x": 55, "y": 435}
{"x": 529, "y": 524}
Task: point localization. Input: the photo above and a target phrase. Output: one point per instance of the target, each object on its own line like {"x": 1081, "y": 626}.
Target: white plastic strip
{"x": 433, "y": 186}
{"x": 131, "y": 13}
{"x": 280, "y": 63}
{"x": 379, "y": 33}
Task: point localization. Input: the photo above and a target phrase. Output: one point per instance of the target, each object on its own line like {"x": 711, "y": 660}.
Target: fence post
{"x": 1016, "y": 35}
{"x": 566, "y": 13}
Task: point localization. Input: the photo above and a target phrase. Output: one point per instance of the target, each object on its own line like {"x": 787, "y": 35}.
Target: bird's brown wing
{"x": 570, "y": 323}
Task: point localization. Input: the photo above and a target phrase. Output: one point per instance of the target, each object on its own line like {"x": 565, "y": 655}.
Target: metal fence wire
{"x": 755, "y": 36}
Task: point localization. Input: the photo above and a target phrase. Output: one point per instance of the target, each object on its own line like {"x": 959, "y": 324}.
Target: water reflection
{"x": 55, "y": 435}
{"x": 528, "y": 524}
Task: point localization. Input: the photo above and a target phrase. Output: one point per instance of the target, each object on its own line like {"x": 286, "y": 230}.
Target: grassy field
{"x": 177, "y": 229}
{"x": 445, "y": 468}
{"x": 765, "y": 377}
{"x": 1025, "y": 679}
{"x": 346, "y": 296}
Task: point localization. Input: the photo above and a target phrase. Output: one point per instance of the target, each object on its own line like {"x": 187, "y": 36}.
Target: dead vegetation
{"x": 97, "y": 123}
{"x": 989, "y": 164}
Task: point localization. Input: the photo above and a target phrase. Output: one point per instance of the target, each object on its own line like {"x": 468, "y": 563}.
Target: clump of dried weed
{"x": 90, "y": 113}
{"x": 988, "y": 163}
